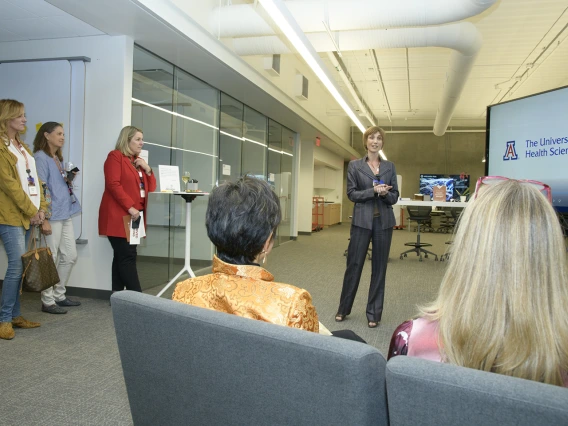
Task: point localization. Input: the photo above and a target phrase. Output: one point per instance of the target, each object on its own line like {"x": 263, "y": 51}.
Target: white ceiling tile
{"x": 74, "y": 25}
{"x": 9, "y": 36}
{"x": 36, "y": 28}
{"x": 38, "y": 7}
{"x": 12, "y": 11}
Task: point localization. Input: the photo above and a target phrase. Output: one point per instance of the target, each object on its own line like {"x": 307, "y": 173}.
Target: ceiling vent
{"x": 272, "y": 65}
{"x": 301, "y": 87}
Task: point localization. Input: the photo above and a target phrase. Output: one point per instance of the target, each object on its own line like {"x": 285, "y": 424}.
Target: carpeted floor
{"x": 67, "y": 372}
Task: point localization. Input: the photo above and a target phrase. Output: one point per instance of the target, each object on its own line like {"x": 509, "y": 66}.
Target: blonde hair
{"x": 124, "y": 138}
{"x": 501, "y": 306}
{"x": 9, "y": 109}
{"x": 371, "y": 131}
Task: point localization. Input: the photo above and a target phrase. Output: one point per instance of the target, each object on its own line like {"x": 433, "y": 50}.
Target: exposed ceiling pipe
{"x": 463, "y": 38}
{"x": 243, "y": 20}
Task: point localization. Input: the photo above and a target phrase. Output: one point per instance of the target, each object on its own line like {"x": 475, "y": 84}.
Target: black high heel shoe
{"x": 373, "y": 324}
{"x": 339, "y": 317}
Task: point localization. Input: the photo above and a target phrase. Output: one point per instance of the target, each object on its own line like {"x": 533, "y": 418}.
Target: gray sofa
{"x": 430, "y": 393}
{"x": 186, "y": 365}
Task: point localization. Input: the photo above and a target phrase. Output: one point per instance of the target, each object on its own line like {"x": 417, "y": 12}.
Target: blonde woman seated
{"x": 241, "y": 221}
{"x": 502, "y": 303}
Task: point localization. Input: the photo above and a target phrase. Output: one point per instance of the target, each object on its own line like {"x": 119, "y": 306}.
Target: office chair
{"x": 455, "y": 213}
{"x": 420, "y": 214}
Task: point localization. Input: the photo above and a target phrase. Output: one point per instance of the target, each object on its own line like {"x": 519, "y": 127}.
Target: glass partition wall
{"x": 212, "y": 136}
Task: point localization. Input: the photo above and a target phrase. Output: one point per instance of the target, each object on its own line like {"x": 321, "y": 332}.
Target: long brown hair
{"x": 40, "y": 141}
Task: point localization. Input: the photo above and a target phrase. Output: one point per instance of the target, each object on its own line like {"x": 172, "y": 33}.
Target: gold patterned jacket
{"x": 249, "y": 291}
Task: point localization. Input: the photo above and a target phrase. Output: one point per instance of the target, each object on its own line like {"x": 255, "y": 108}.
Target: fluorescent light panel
{"x": 282, "y": 17}
{"x": 177, "y": 114}
{"x": 179, "y": 149}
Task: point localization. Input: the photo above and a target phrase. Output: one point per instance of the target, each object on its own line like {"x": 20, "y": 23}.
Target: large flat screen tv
{"x": 427, "y": 182}
{"x": 527, "y": 138}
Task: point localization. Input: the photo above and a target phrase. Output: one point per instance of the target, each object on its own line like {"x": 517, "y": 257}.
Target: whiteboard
{"x": 51, "y": 91}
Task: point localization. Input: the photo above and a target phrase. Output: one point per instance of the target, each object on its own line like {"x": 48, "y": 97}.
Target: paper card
{"x": 169, "y": 178}
{"x": 439, "y": 192}
{"x": 144, "y": 155}
{"x": 226, "y": 170}
{"x": 137, "y": 234}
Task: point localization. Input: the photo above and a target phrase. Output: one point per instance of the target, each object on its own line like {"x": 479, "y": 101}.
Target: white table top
{"x": 431, "y": 203}
{"x": 180, "y": 193}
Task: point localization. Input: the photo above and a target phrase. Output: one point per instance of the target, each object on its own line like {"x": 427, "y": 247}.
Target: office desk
{"x": 431, "y": 203}
{"x": 437, "y": 204}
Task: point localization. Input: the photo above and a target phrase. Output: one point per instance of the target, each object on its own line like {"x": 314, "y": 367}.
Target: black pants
{"x": 124, "y": 273}
{"x": 358, "y": 245}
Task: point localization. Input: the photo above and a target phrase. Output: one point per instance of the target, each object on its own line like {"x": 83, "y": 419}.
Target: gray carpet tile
{"x": 67, "y": 372}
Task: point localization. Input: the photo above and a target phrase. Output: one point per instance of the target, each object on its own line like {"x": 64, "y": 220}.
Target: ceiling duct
{"x": 244, "y": 21}
{"x": 463, "y": 38}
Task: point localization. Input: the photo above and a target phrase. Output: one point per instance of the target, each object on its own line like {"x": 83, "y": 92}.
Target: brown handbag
{"x": 40, "y": 272}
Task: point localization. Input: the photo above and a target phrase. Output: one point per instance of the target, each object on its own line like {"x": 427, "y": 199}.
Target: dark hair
{"x": 40, "y": 141}
{"x": 240, "y": 217}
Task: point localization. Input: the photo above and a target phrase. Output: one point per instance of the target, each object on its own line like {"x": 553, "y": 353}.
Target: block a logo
{"x": 510, "y": 153}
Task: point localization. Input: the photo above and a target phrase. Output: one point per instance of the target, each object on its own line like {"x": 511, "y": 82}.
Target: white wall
{"x": 334, "y": 161}
{"x": 305, "y": 185}
{"x": 107, "y": 110}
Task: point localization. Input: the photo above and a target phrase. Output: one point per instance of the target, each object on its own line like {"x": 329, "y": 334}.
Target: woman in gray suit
{"x": 372, "y": 186}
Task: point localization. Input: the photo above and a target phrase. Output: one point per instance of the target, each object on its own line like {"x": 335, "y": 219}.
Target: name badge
{"x": 142, "y": 193}
{"x": 32, "y": 190}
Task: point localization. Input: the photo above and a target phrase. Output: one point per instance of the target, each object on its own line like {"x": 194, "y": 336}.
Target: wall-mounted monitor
{"x": 427, "y": 182}
{"x": 527, "y": 138}
{"x": 461, "y": 184}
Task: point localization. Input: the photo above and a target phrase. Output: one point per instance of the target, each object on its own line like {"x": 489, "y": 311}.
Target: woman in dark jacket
{"x": 372, "y": 186}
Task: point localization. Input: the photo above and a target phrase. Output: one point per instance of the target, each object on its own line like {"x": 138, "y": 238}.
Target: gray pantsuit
{"x": 366, "y": 227}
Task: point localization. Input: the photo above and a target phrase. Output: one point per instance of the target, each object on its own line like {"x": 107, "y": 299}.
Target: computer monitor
{"x": 427, "y": 182}
{"x": 461, "y": 184}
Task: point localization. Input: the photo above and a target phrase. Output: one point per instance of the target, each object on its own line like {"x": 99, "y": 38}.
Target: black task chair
{"x": 422, "y": 215}
{"x": 455, "y": 213}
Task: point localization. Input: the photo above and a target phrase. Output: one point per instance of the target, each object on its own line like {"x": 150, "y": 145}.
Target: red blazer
{"x": 122, "y": 190}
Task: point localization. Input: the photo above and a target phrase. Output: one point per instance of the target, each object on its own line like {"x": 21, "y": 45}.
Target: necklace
{"x": 374, "y": 169}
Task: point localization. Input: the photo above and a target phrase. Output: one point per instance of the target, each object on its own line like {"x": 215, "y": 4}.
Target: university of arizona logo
{"x": 510, "y": 153}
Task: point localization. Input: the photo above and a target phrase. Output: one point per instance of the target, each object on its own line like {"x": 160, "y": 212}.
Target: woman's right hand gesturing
{"x": 134, "y": 214}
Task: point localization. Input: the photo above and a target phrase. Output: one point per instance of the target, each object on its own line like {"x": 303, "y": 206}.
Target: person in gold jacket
{"x": 21, "y": 204}
{"x": 241, "y": 221}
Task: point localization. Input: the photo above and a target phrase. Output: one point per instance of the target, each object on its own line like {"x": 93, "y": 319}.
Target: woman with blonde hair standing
{"x": 501, "y": 306}
{"x": 128, "y": 181}
{"x": 48, "y": 142}
{"x": 21, "y": 204}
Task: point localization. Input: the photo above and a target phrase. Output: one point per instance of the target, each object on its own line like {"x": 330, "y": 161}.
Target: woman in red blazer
{"x": 128, "y": 181}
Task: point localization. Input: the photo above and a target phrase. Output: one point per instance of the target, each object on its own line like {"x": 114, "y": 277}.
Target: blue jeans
{"x": 14, "y": 239}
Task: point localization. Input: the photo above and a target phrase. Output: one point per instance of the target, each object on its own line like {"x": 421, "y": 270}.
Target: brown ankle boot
{"x": 21, "y": 322}
{"x": 6, "y": 331}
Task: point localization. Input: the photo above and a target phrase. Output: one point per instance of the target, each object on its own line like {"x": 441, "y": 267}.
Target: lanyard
{"x": 31, "y": 180}
{"x": 63, "y": 175}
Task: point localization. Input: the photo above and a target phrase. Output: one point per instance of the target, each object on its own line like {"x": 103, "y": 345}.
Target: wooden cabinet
{"x": 331, "y": 214}
{"x": 324, "y": 177}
